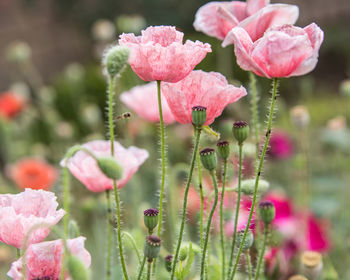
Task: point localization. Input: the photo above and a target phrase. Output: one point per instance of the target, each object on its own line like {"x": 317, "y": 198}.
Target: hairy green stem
{"x": 141, "y": 268}
{"x": 222, "y": 240}
{"x": 261, "y": 161}
{"x": 216, "y": 198}
{"x": 262, "y": 252}
{"x": 109, "y": 235}
{"x": 116, "y": 194}
{"x": 249, "y": 264}
{"x": 184, "y": 207}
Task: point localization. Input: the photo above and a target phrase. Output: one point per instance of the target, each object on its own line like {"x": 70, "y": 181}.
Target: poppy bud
{"x": 199, "y": 116}
{"x": 115, "y": 59}
{"x": 77, "y": 269}
{"x": 223, "y": 149}
{"x": 240, "y": 131}
{"x": 267, "y": 211}
{"x": 150, "y": 218}
{"x": 208, "y": 158}
{"x": 248, "y": 242}
{"x": 168, "y": 262}
{"x": 152, "y": 247}
{"x": 110, "y": 167}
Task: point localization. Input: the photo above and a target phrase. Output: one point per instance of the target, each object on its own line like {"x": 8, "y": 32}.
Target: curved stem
{"x": 182, "y": 226}
{"x": 116, "y": 195}
{"x": 262, "y": 252}
{"x": 222, "y": 240}
{"x": 109, "y": 235}
{"x": 238, "y": 205}
{"x": 213, "y": 176}
{"x": 249, "y": 264}
{"x": 261, "y": 161}
{"x": 141, "y": 268}
{"x": 255, "y": 113}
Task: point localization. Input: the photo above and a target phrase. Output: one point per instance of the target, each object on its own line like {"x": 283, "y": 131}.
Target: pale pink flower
{"x": 283, "y": 51}
{"x": 85, "y": 168}
{"x": 44, "y": 260}
{"x": 144, "y": 101}
{"x": 200, "y": 88}
{"x": 159, "y": 54}
{"x": 21, "y": 213}
{"x": 216, "y": 19}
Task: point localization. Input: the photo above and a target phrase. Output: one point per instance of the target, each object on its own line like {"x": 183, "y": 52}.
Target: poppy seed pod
{"x": 168, "y": 262}
{"x": 152, "y": 247}
{"x": 248, "y": 242}
{"x": 199, "y": 116}
{"x": 267, "y": 211}
{"x": 110, "y": 167}
{"x": 115, "y": 59}
{"x": 208, "y": 158}
{"x": 150, "y": 218}
{"x": 223, "y": 149}
{"x": 240, "y": 131}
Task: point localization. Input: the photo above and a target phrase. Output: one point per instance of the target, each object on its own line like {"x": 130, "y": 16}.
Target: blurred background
{"x": 52, "y": 95}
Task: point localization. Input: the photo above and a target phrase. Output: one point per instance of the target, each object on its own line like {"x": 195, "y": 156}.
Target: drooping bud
{"x": 223, "y": 149}
{"x": 110, "y": 167}
{"x": 168, "y": 262}
{"x": 240, "y": 131}
{"x": 267, "y": 211}
{"x": 208, "y": 158}
{"x": 77, "y": 269}
{"x": 311, "y": 264}
{"x": 152, "y": 247}
{"x": 248, "y": 242}
{"x": 150, "y": 218}
{"x": 297, "y": 277}
{"x": 183, "y": 253}
{"x": 115, "y": 59}
{"x": 199, "y": 116}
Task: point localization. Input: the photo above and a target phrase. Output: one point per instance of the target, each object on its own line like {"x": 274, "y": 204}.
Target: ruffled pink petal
{"x": 144, "y": 101}
{"x": 271, "y": 15}
{"x": 255, "y": 5}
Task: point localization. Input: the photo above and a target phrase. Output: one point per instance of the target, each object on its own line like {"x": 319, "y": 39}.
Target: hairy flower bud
{"x": 150, "y": 218}
{"x": 208, "y": 158}
{"x": 267, "y": 211}
{"x": 223, "y": 149}
{"x": 152, "y": 247}
{"x": 199, "y": 116}
{"x": 115, "y": 59}
{"x": 240, "y": 131}
{"x": 110, "y": 167}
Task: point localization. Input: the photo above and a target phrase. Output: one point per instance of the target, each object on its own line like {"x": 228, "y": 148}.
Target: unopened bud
{"x": 150, "y": 218}
{"x": 110, "y": 167}
{"x": 199, "y": 116}
{"x": 152, "y": 247}
{"x": 240, "y": 131}
{"x": 223, "y": 149}
{"x": 77, "y": 269}
{"x": 267, "y": 211}
{"x": 115, "y": 59}
{"x": 248, "y": 242}
{"x": 208, "y": 158}
{"x": 311, "y": 264}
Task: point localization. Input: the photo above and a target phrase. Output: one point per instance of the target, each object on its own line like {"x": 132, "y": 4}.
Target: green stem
{"x": 255, "y": 113}
{"x": 109, "y": 235}
{"x": 262, "y": 252}
{"x": 116, "y": 195}
{"x": 149, "y": 268}
{"x": 238, "y": 205}
{"x": 141, "y": 268}
{"x": 261, "y": 161}
{"x": 182, "y": 226}
{"x": 213, "y": 176}
{"x": 222, "y": 240}
{"x": 249, "y": 264}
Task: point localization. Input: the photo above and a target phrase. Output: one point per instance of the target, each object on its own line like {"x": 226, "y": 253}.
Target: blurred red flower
{"x": 10, "y": 104}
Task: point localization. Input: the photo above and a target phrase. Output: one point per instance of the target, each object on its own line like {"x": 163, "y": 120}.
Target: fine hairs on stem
{"x": 258, "y": 174}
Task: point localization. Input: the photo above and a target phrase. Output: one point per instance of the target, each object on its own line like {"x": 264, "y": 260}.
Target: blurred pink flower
{"x": 281, "y": 145}
{"x": 159, "y": 54}
{"x": 283, "y": 51}
{"x": 216, "y": 19}
{"x": 20, "y": 213}
{"x": 200, "y": 88}
{"x": 144, "y": 101}
{"x": 85, "y": 168}
{"x": 44, "y": 260}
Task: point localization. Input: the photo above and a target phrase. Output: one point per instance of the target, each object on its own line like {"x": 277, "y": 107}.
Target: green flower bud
{"x": 110, "y": 167}
{"x": 183, "y": 253}
{"x": 267, "y": 211}
{"x": 115, "y": 59}
{"x": 208, "y": 158}
{"x": 77, "y": 269}
{"x": 152, "y": 247}
{"x": 168, "y": 263}
{"x": 248, "y": 242}
{"x": 150, "y": 218}
{"x": 199, "y": 116}
{"x": 223, "y": 149}
{"x": 240, "y": 131}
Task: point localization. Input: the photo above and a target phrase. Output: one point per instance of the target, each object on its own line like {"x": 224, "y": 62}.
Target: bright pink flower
{"x": 281, "y": 145}
{"x": 144, "y": 101}
{"x": 283, "y": 51}
{"x": 159, "y": 54}
{"x": 216, "y": 19}
{"x": 199, "y": 88}
{"x": 85, "y": 168}
{"x": 19, "y": 213}
{"x": 44, "y": 260}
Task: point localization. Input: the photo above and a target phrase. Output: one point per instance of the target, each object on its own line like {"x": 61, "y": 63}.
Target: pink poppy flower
{"x": 85, "y": 168}
{"x": 216, "y": 19}
{"x": 159, "y": 54}
{"x": 44, "y": 260}
{"x": 144, "y": 101}
{"x": 283, "y": 51}
{"x": 200, "y": 88}
{"x": 19, "y": 213}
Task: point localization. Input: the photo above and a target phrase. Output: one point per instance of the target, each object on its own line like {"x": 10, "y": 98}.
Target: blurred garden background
{"x": 53, "y": 92}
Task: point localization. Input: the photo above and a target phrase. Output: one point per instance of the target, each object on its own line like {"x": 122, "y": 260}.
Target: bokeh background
{"x": 50, "y": 54}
